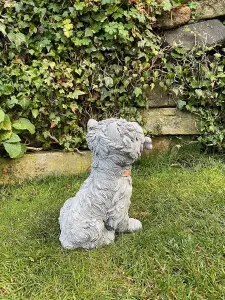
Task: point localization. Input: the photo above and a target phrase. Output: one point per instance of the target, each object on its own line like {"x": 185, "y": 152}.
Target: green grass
{"x": 179, "y": 254}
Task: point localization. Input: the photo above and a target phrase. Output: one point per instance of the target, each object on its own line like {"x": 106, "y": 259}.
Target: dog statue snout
{"x": 148, "y": 143}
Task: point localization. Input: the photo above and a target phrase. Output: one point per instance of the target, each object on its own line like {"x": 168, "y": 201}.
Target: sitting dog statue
{"x": 100, "y": 208}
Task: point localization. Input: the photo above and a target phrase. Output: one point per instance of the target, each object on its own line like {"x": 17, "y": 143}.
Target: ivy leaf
{"x": 199, "y": 92}
{"x": 193, "y": 5}
{"x": 52, "y": 64}
{"x": 14, "y": 150}
{"x": 111, "y": 28}
{"x": 221, "y": 75}
{"x": 166, "y": 5}
{"x": 80, "y": 42}
{"x": 2, "y": 115}
{"x": 4, "y": 135}
{"x": 12, "y": 102}
{"x": 123, "y": 33}
{"x": 67, "y": 21}
{"x": 17, "y": 38}
{"x": 68, "y": 33}
{"x": 24, "y": 102}
{"x": 137, "y": 91}
{"x": 24, "y": 124}
{"x": 73, "y": 107}
{"x": 23, "y": 150}
{"x": 88, "y": 32}
{"x": 67, "y": 28}
{"x": 31, "y": 51}
{"x": 100, "y": 17}
{"x": 6, "y": 124}
{"x": 217, "y": 55}
{"x": 152, "y": 86}
{"x": 79, "y": 6}
{"x": 45, "y": 43}
{"x": 77, "y": 93}
{"x": 3, "y": 28}
{"x": 108, "y": 81}
{"x": 14, "y": 138}
{"x": 35, "y": 112}
{"x": 107, "y": 1}
{"x": 181, "y": 104}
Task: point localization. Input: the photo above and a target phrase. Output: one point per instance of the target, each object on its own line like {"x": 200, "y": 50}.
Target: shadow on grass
{"x": 45, "y": 226}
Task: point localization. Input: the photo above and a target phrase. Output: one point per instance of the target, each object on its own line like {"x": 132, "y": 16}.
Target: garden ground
{"x": 179, "y": 254}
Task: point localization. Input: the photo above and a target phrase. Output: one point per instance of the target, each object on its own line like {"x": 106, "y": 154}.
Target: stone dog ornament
{"x": 100, "y": 208}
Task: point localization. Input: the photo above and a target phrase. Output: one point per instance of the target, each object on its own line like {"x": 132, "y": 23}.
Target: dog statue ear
{"x": 91, "y": 136}
{"x": 92, "y": 124}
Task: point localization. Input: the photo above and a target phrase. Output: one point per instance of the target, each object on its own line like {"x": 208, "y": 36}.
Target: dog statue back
{"x": 100, "y": 208}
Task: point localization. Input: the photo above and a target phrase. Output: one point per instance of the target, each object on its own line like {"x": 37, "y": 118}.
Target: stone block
{"x": 159, "y": 144}
{"x": 158, "y": 98}
{"x": 42, "y": 164}
{"x": 209, "y": 9}
{"x": 207, "y": 33}
{"x": 173, "y": 144}
{"x": 178, "y": 16}
{"x": 170, "y": 121}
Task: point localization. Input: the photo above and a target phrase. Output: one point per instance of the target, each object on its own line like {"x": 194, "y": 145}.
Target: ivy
{"x": 198, "y": 77}
{"x": 9, "y": 134}
{"x": 62, "y": 63}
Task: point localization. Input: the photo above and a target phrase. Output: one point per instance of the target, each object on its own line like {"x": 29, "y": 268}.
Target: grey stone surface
{"x": 100, "y": 208}
{"x": 203, "y": 33}
{"x": 170, "y": 121}
{"x": 158, "y": 98}
{"x": 209, "y": 9}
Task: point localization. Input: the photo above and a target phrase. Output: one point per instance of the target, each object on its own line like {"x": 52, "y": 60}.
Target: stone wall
{"x": 204, "y": 28}
{"x": 204, "y": 23}
{"x": 42, "y": 164}
{"x": 166, "y": 124}
{"x": 163, "y": 120}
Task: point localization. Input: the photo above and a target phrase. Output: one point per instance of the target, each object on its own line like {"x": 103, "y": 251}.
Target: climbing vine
{"x": 197, "y": 77}
{"x": 64, "y": 62}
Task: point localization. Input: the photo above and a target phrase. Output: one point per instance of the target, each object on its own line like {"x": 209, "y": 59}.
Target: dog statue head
{"x": 116, "y": 139}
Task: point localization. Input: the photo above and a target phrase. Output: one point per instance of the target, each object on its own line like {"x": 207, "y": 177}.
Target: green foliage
{"x": 22, "y": 124}
{"x": 64, "y": 62}
{"x": 198, "y": 77}
{"x": 167, "y": 5}
{"x": 9, "y": 134}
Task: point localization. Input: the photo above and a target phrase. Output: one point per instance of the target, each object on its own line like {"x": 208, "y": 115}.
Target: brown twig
{"x": 34, "y": 149}
{"x": 78, "y": 151}
{"x": 54, "y": 139}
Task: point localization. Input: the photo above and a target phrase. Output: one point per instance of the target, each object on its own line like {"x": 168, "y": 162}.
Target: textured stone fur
{"x": 100, "y": 208}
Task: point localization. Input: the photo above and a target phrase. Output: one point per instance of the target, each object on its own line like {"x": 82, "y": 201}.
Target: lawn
{"x": 179, "y": 254}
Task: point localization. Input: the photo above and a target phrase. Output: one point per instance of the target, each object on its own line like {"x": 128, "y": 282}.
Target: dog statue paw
{"x": 134, "y": 225}
{"x": 100, "y": 208}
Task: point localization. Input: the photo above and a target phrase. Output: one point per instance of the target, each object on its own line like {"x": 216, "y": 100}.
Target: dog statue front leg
{"x": 117, "y": 216}
{"x": 129, "y": 225}
{"x": 134, "y": 225}
{"x": 125, "y": 224}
